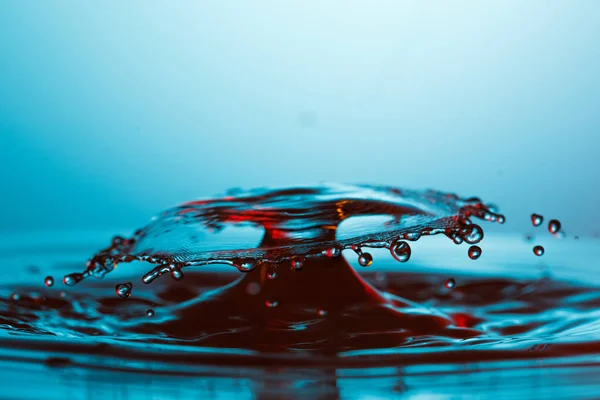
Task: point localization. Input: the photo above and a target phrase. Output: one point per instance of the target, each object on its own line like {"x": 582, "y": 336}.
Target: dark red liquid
{"x": 298, "y": 301}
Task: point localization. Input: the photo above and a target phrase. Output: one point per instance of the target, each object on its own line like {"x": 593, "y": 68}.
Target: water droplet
{"x": 253, "y": 288}
{"x": 72, "y": 279}
{"x": 247, "y": 266}
{"x": 150, "y": 312}
{"x": 365, "y": 259}
{"x": 123, "y": 290}
{"x": 538, "y": 250}
{"x": 271, "y": 304}
{"x": 272, "y": 270}
{"x": 332, "y": 252}
{"x": 49, "y": 281}
{"x": 400, "y": 250}
{"x": 536, "y": 219}
{"x": 474, "y": 234}
{"x": 297, "y": 263}
{"x": 501, "y": 219}
{"x": 322, "y": 312}
{"x": 15, "y": 297}
{"x": 176, "y": 273}
{"x": 553, "y": 226}
{"x": 412, "y": 236}
{"x": 450, "y": 283}
{"x": 474, "y": 252}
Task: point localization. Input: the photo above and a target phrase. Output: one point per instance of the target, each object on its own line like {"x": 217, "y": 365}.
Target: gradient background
{"x": 112, "y": 111}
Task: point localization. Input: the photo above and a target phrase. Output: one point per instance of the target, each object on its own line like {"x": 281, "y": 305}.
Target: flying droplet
{"x": 322, "y": 312}
{"x": 150, "y": 312}
{"x": 501, "y": 219}
{"x": 49, "y": 281}
{"x": 400, "y": 250}
{"x": 271, "y": 304}
{"x": 538, "y": 250}
{"x": 536, "y": 219}
{"x": 365, "y": 259}
{"x": 123, "y": 290}
{"x": 474, "y": 252}
{"x": 253, "y": 288}
{"x": 553, "y": 226}
{"x": 15, "y": 297}
{"x": 450, "y": 283}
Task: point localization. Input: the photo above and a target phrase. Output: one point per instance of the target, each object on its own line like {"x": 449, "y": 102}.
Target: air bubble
{"x": 450, "y": 283}
{"x": 400, "y": 250}
{"x": 536, "y": 219}
{"x": 123, "y": 290}
{"x": 538, "y": 250}
{"x": 501, "y": 219}
{"x": 553, "y": 226}
{"x": 365, "y": 259}
{"x": 474, "y": 252}
{"x": 150, "y": 312}
{"x": 49, "y": 281}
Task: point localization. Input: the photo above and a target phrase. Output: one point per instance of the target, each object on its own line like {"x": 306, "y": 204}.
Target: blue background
{"x": 111, "y": 111}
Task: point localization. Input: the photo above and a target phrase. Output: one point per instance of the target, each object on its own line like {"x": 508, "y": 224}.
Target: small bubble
{"x": 400, "y": 250}
{"x": 536, "y": 219}
{"x": 297, "y": 263}
{"x": 501, "y": 219}
{"x": 15, "y": 297}
{"x": 150, "y": 312}
{"x": 49, "y": 281}
{"x": 538, "y": 250}
{"x": 450, "y": 283}
{"x": 553, "y": 226}
{"x": 271, "y": 304}
{"x": 253, "y": 288}
{"x": 322, "y": 312}
{"x": 474, "y": 252}
{"x": 123, "y": 290}
{"x": 365, "y": 259}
